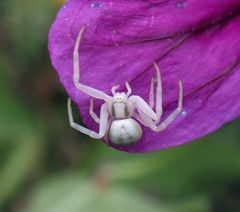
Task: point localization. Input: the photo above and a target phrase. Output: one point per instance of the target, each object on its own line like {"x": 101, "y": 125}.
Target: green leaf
{"x": 75, "y": 193}
{"x": 19, "y": 166}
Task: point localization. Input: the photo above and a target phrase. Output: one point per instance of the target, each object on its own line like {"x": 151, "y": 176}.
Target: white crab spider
{"x": 118, "y": 113}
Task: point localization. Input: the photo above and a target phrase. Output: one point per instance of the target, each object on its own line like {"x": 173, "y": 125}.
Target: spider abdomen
{"x": 125, "y": 132}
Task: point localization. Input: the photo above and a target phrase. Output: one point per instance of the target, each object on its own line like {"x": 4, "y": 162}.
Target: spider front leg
{"x": 142, "y": 106}
{"x": 102, "y": 126}
{"x": 76, "y": 73}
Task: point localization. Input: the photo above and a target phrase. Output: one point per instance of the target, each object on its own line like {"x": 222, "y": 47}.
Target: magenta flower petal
{"x": 194, "y": 41}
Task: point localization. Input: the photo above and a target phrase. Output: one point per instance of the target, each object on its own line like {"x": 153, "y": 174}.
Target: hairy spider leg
{"x": 76, "y": 73}
{"x": 102, "y": 126}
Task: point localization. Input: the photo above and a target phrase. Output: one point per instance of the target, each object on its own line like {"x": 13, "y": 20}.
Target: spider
{"x": 119, "y": 112}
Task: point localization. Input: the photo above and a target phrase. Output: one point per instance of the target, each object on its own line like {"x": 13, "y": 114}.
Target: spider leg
{"x": 92, "y": 113}
{"x": 106, "y": 134}
{"x": 148, "y": 109}
{"x": 158, "y": 94}
{"x": 141, "y": 105}
{"x": 175, "y": 113}
{"x": 102, "y": 126}
{"x": 151, "y": 93}
{"x": 114, "y": 88}
{"x": 76, "y": 73}
{"x": 151, "y": 124}
{"x": 146, "y": 120}
{"x": 129, "y": 89}
{"x": 140, "y": 119}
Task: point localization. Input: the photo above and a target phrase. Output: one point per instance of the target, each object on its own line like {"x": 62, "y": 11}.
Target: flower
{"x": 194, "y": 41}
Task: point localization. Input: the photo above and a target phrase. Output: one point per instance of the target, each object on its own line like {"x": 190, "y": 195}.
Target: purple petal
{"x": 194, "y": 41}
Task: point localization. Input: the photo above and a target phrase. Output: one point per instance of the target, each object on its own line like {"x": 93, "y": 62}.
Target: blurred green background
{"x": 46, "y": 166}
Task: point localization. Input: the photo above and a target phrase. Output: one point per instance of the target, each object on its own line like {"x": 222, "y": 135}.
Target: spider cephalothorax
{"x": 117, "y": 115}
{"x": 120, "y": 107}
